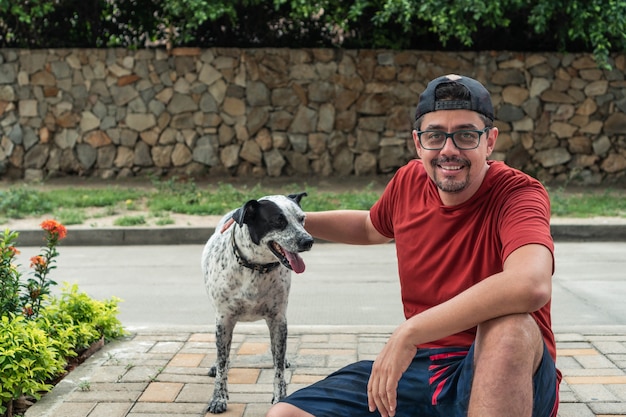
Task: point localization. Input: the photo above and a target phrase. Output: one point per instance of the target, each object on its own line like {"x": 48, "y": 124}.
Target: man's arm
{"x": 344, "y": 226}
{"x": 524, "y": 286}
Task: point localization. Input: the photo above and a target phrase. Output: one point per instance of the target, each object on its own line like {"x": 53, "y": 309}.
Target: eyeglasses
{"x": 434, "y": 140}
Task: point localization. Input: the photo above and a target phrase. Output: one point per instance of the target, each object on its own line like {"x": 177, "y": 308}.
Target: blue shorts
{"x": 437, "y": 383}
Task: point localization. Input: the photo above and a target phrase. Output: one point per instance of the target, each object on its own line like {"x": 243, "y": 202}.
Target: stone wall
{"x": 277, "y": 112}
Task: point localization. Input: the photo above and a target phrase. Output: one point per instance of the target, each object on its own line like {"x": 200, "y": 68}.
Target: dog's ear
{"x": 245, "y": 212}
{"x": 297, "y": 197}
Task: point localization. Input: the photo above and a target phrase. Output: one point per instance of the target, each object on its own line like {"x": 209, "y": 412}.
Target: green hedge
{"x": 28, "y": 359}
{"x": 40, "y": 332}
{"x": 35, "y": 352}
{"x": 542, "y": 25}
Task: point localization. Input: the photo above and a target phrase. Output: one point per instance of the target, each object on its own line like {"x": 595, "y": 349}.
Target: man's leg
{"x": 286, "y": 410}
{"x": 344, "y": 393}
{"x": 508, "y": 350}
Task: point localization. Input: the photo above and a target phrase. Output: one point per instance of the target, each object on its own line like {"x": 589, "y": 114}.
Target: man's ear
{"x": 492, "y": 137}
{"x": 416, "y": 142}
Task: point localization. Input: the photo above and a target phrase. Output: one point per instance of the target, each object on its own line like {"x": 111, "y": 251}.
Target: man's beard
{"x": 448, "y": 185}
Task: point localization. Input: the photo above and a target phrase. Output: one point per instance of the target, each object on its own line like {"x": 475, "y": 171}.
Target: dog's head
{"x": 277, "y": 222}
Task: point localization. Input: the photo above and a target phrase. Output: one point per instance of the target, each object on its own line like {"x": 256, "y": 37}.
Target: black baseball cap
{"x": 479, "y": 98}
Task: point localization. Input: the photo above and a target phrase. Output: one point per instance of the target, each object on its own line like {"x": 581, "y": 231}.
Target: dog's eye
{"x": 301, "y": 219}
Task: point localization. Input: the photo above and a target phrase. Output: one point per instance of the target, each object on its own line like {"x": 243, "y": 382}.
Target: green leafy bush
{"x": 19, "y": 202}
{"x": 130, "y": 221}
{"x": 596, "y": 26}
{"x": 10, "y": 278}
{"x": 88, "y": 319}
{"x": 25, "y": 298}
{"x": 40, "y": 332}
{"x": 28, "y": 359}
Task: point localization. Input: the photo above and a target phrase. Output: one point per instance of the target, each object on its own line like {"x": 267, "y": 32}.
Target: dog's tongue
{"x": 296, "y": 262}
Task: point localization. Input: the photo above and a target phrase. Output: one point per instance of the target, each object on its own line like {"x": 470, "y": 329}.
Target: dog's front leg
{"x": 223, "y": 338}
{"x": 278, "y": 336}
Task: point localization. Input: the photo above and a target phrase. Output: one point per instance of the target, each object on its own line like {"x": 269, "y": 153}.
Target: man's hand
{"x": 387, "y": 370}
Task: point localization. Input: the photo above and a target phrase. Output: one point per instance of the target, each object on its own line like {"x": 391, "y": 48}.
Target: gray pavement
{"x": 343, "y": 285}
{"x": 162, "y": 286}
{"x": 341, "y": 309}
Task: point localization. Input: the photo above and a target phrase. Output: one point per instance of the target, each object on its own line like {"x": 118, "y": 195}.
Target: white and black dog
{"x": 247, "y": 266}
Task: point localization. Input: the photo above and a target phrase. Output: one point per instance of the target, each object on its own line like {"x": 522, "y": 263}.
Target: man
{"x": 475, "y": 259}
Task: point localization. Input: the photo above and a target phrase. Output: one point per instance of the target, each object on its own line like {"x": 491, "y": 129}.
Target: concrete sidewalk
{"x": 164, "y": 373}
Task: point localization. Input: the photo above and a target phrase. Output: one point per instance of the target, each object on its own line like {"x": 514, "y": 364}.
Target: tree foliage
{"x": 597, "y": 26}
{"x": 601, "y": 24}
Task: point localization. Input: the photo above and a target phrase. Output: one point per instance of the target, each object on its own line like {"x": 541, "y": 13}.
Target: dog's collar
{"x": 261, "y": 268}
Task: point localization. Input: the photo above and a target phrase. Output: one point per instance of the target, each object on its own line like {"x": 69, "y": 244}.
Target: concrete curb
{"x": 198, "y": 235}
{"x": 588, "y": 232}
{"x": 123, "y": 236}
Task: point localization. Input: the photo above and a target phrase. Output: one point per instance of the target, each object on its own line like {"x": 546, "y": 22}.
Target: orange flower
{"x": 54, "y": 227}
{"x": 37, "y": 261}
{"x": 28, "y": 311}
{"x": 13, "y": 250}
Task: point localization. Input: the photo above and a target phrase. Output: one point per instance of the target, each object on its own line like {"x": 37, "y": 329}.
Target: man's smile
{"x": 450, "y": 165}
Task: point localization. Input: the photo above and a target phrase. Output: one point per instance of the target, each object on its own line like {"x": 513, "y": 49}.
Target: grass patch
{"x": 227, "y": 197}
{"x": 21, "y": 202}
{"x": 608, "y": 203}
{"x": 130, "y": 221}
{"x": 164, "y": 198}
{"x": 106, "y": 211}
{"x": 349, "y": 200}
{"x": 98, "y": 197}
{"x": 69, "y": 217}
{"x": 164, "y": 221}
{"x": 186, "y": 198}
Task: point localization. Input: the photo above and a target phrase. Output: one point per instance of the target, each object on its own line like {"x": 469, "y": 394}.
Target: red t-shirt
{"x": 443, "y": 250}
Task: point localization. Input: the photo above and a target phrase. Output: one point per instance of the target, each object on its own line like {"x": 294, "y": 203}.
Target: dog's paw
{"x": 276, "y": 399}
{"x": 280, "y": 392}
{"x": 213, "y": 371}
{"x": 217, "y": 406}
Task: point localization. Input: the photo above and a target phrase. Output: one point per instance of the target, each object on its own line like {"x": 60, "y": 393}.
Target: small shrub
{"x": 92, "y": 197}
{"x": 164, "y": 221}
{"x": 97, "y": 318}
{"x": 38, "y": 286}
{"x": 38, "y": 332}
{"x": 25, "y": 298}
{"x": 10, "y": 279}
{"x": 28, "y": 359}
{"x": 130, "y": 221}
{"x": 84, "y": 386}
{"x": 20, "y": 202}
{"x": 70, "y": 216}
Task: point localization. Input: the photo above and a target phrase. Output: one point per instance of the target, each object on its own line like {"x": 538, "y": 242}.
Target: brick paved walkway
{"x": 158, "y": 374}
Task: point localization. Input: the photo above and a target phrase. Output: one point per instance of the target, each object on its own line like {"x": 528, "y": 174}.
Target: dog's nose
{"x": 306, "y": 243}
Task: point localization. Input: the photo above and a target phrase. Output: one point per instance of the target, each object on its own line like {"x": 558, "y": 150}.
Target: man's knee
{"x": 509, "y": 338}
{"x": 277, "y": 410}
{"x": 286, "y": 410}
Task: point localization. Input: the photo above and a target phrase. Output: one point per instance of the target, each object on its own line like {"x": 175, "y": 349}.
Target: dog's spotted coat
{"x": 247, "y": 266}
